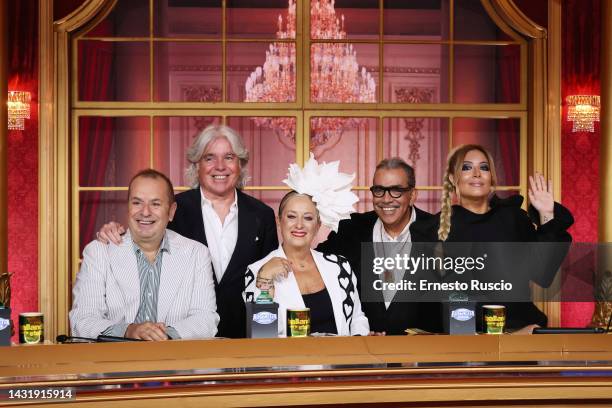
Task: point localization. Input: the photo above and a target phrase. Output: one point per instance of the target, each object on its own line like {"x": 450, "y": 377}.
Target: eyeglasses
{"x": 394, "y": 191}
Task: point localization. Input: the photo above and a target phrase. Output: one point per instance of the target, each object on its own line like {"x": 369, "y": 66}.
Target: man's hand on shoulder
{"x": 111, "y": 232}
{"x": 147, "y": 331}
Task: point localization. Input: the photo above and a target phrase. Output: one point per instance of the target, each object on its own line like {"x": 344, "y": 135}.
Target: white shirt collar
{"x": 205, "y": 201}
{"x": 403, "y": 236}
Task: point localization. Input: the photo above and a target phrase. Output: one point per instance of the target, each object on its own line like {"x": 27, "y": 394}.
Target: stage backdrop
{"x": 580, "y": 157}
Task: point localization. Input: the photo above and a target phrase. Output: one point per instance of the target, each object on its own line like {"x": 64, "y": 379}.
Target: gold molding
{"x": 554, "y": 94}
{"x": 516, "y": 19}
{"x": 82, "y": 15}
{"x": 47, "y": 194}
{"x": 552, "y": 143}
{"x": 62, "y": 177}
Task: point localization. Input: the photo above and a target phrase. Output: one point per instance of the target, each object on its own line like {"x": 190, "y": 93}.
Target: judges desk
{"x": 537, "y": 370}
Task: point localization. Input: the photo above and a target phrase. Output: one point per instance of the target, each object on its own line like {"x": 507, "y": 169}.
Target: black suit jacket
{"x": 347, "y": 242}
{"x": 256, "y": 238}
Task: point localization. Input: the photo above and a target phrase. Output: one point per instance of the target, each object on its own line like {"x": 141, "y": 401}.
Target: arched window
{"x": 347, "y": 80}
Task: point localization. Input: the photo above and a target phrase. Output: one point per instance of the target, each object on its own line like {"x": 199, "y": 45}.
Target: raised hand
{"x": 541, "y": 197}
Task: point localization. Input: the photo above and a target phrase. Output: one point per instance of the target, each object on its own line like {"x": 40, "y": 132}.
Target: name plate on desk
{"x": 5, "y": 327}
{"x": 262, "y": 320}
{"x": 460, "y": 317}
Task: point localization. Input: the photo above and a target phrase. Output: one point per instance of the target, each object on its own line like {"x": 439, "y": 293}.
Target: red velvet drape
{"x": 580, "y": 151}
{"x": 95, "y": 133}
{"x": 508, "y": 88}
{"x": 22, "y": 161}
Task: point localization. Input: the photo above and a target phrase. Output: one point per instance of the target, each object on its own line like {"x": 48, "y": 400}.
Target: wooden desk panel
{"x": 401, "y": 371}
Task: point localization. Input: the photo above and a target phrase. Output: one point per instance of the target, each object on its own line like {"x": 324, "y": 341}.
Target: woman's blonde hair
{"x": 454, "y": 164}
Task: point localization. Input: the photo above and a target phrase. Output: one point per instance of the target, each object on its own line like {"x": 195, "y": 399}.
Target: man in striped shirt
{"x": 155, "y": 284}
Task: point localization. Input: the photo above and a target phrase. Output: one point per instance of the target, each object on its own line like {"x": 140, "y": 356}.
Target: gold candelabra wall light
{"x": 18, "y": 109}
{"x": 583, "y": 110}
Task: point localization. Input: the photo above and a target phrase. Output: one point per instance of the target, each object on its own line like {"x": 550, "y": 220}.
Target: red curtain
{"x": 508, "y": 91}
{"x": 580, "y": 151}
{"x": 22, "y": 162}
{"x": 95, "y": 133}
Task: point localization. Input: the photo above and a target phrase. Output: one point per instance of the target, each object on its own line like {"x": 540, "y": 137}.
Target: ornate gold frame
{"x": 540, "y": 142}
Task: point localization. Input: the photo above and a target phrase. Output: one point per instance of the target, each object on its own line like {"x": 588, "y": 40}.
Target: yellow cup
{"x": 31, "y": 330}
{"x": 298, "y": 322}
{"x": 494, "y": 319}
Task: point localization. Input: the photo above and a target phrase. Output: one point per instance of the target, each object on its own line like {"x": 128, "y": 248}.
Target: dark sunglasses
{"x": 394, "y": 191}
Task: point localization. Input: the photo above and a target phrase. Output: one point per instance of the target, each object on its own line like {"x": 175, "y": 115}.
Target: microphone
{"x": 62, "y": 338}
{"x": 114, "y": 339}
{"x": 570, "y": 330}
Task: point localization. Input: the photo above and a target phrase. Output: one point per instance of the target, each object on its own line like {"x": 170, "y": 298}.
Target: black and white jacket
{"x": 339, "y": 280}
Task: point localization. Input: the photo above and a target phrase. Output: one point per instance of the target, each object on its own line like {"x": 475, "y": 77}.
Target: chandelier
{"x": 335, "y": 75}
{"x": 18, "y": 106}
{"x": 583, "y": 110}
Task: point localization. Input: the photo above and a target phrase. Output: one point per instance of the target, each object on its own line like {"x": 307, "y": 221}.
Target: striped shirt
{"x": 149, "y": 276}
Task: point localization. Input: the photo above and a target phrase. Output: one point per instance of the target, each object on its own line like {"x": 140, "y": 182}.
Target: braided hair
{"x": 453, "y": 168}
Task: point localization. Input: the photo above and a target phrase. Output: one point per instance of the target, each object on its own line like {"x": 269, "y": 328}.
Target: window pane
{"x": 472, "y": 22}
{"x": 343, "y": 73}
{"x": 421, "y": 142}
{"x": 487, "y": 74}
{"x": 365, "y": 198}
{"x": 172, "y": 136}
{"x": 261, "y": 72}
{"x": 249, "y": 19}
{"x": 341, "y": 19}
{"x": 500, "y": 136}
{"x": 113, "y": 71}
{"x": 350, "y": 140}
{"x": 112, "y": 150}
{"x": 266, "y": 146}
{"x": 429, "y": 200}
{"x": 187, "y": 72}
{"x": 416, "y": 19}
{"x": 272, "y": 198}
{"x": 129, "y": 18}
{"x": 416, "y": 73}
{"x": 97, "y": 208}
{"x": 185, "y": 18}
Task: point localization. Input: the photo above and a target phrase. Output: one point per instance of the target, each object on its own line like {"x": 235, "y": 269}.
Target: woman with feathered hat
{"x": 303, "y": 277}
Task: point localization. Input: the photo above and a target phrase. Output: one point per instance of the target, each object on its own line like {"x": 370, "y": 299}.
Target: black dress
{"x": 321, "y": 312}
{"x": 504, "y": 222}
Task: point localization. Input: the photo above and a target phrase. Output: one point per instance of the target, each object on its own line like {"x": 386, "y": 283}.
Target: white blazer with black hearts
{"x": 340, "y": 281}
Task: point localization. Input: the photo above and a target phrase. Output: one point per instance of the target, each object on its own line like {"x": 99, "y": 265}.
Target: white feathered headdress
{"x": 330, "y": 190}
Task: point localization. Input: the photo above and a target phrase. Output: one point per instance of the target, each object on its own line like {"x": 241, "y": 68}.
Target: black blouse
{"x": 321, "y": 312}
{"x": 505, "y": 222}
